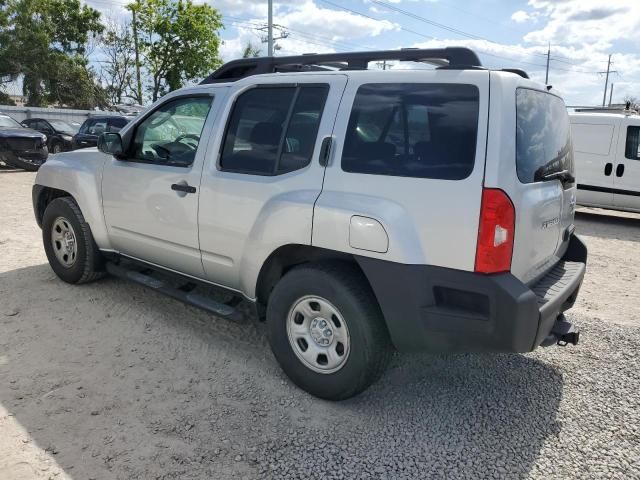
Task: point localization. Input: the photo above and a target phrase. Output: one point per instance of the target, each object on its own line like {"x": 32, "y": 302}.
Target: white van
{"x": 607, "y": 156}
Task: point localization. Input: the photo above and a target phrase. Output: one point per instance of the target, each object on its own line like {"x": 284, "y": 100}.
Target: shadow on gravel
{"x": 119, "y": 382}
{"x": 609, "y": 224}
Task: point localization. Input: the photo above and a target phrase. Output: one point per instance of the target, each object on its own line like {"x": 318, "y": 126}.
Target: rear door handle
{"x": 325, "y": 151}
{"x": 183, "y": 187}
{"x": 608, "y": 168}
{"x": 620, "y": 170}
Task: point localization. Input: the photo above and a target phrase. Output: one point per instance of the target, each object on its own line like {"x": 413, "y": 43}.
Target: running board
{"x": 184, "y": 295}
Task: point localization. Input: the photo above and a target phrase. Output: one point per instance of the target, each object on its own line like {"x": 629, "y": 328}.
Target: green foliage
{"x": 45, "y": 41}
{"x": 251, "y": 51}
{"x": 179, "y": 41}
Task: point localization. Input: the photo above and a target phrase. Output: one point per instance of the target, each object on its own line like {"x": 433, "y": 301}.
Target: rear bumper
{"x": 444, "y": 310}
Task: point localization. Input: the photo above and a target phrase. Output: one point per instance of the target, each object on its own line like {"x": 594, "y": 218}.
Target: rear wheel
{"x": 68, "y": 243}
{"x": 326, "y": 330}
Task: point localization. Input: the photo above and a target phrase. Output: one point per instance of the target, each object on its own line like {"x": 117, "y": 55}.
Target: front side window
{"x": 413, "y": 130}
{"x": 171, "y": 134}
{"x": 117, "y": 124}
{"x": 543, "y": 135}
{"x": 632, "y": 147}
{"x": 273, "y": 130}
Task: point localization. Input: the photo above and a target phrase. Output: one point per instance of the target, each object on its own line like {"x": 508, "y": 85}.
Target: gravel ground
{"x": 109, "y": 380}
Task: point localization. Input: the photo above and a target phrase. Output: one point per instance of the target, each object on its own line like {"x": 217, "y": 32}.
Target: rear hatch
{"x": 545, "y": 170}
{"x": 530, "y": 158}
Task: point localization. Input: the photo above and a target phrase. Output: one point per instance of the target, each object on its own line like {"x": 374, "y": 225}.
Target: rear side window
{"x": 632, "y": 147}
{"x": 94, "y": 126}
{"x": 413, "y": 130}
{"x": 273, "y": 130}
{"x": 543, "y": 135}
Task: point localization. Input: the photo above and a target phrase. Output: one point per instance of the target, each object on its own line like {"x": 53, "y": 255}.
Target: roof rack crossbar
{"x": 452, "y": 57}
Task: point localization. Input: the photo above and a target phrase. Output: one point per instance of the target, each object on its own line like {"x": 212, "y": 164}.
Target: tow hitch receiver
{"x": 562, "y": 333}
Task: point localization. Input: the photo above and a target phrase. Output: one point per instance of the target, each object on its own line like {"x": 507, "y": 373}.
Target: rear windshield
{"x": 543, "y": 135}
{"x": 413, "y": 130}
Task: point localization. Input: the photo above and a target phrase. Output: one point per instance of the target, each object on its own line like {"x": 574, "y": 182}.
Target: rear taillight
{"x": 495, "y": 232}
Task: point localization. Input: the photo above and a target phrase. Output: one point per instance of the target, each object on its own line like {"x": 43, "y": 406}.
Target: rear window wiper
{"x": 565, "y": 176}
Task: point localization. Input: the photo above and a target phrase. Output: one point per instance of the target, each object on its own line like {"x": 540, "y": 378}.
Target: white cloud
{"x": 521, "y": 16}
{"x": 586, "y": 22}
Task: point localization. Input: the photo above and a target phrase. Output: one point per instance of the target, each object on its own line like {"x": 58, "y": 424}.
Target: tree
{"x": 118, "y": 68}
{"x": 632, "y": 100}
{"x": 48, "y": 40}
{"x": 179, "y": 41}
{"x": 251, "y": 51}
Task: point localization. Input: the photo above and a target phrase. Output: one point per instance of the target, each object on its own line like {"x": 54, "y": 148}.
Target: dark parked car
{"x": 21, "y": 147}
{"x": 59, "y": 133}
{"x": 93, "y": 127}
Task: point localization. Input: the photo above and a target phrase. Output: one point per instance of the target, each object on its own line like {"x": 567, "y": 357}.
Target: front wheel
{"x": 326, "y": 330}
{"x": 68, "y": 242}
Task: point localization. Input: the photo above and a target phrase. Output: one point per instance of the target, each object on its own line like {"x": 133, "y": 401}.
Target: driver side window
{"x": 171, "y": 134}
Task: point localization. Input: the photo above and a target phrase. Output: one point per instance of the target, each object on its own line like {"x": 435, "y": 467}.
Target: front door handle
{"x": 620, "y": 170}
{"x": 183, "y": 187}
{"x": 608, "y": 168}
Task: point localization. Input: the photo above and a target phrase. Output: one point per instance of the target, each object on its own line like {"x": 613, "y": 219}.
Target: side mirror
{"x": 111, "y": 143}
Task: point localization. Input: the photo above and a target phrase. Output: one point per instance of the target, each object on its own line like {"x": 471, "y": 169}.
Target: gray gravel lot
{"x": 109, "y": 380}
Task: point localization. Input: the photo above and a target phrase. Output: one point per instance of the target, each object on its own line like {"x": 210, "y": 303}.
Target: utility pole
{"x": 270, "y": 39}
{"x": 546, "y": 77}
{"x": 383, "y": 64}
{"x": 137, "y": 54}
{"x": 606, "y": 80}
{"x": 611, "y": 94}
{"x": 270, "y": 30}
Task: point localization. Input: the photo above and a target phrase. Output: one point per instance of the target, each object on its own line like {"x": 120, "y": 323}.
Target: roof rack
{"x": 450, "y": 57}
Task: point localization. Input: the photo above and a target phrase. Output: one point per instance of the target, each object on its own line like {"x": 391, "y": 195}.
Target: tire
{"x": 56, "y": 148}
{"x": 343, "y": 288}
{"x": 82, "y": 264}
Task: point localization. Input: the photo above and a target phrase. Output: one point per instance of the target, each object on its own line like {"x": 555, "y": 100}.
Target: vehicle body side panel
{"x": 627, "y": 185}
{"x": 80, "y": 174}
{"x": 592, "y": 158}
{"x": 428, "y": 221}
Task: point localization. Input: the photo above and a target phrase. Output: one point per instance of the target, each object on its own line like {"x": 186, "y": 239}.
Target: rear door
{"x": 627, "y": 168}
{"x": 544, "y": 207}
{"x": 594, "y": 146}
{"x": 263, "y": 175}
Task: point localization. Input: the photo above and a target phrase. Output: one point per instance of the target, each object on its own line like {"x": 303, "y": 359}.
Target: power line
{"x": 453, "y": 30}
{"x": 376, "y": 19}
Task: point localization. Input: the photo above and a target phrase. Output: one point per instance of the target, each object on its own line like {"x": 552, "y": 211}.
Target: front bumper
{"x": 444, "y": 310}
{"x": 35, "y": 157}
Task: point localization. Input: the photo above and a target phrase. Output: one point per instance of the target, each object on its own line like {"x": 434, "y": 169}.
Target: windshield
{"x": 62, "y": 126}
{"x": 8, "y": 122}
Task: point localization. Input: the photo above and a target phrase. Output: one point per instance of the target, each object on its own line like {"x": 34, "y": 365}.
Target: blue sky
{"x": 505, "y": 33}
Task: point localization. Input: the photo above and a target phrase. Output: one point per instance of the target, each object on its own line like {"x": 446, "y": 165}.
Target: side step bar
{"x": 185, "y": 295}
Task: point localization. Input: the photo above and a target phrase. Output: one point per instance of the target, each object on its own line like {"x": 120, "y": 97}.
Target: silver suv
{"x": 358, "y": 210}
